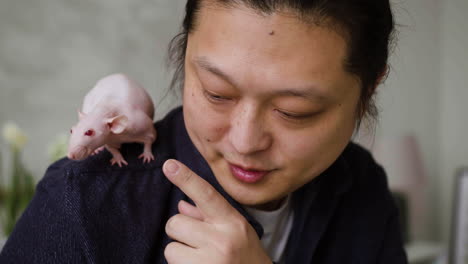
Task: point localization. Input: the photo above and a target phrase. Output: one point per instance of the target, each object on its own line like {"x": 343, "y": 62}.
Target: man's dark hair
{"x": 366, "y": 25}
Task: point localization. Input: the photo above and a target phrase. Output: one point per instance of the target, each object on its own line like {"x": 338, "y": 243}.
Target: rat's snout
{"x": 78, "y": 153}
{"x": 73, "y": 156}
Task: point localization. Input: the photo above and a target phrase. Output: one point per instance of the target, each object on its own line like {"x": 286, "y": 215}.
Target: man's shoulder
{"x": 364, "y": 170}
{"x": 95, "y": 191}
{"x": 354, "y": 171}
{"x": 94, "y": 183}
{"x": 369, "y": 196}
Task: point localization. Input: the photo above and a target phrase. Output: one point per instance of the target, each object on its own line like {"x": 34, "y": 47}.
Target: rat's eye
{"x": 89, "y": 133}
{"x": 71, "y": 131}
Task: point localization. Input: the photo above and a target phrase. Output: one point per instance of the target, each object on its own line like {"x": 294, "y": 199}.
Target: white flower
{"x": 14, "y": 136}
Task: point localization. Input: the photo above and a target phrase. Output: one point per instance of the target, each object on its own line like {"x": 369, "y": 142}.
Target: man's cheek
{"x": 212, "y": 133}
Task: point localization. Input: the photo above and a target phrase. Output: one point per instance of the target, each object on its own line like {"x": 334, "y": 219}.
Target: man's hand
{"x": 210, "y": 232}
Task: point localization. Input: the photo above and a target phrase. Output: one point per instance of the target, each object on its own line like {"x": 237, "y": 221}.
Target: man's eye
{"x": 216, "y": 98}
{"x": 293, "y": 116}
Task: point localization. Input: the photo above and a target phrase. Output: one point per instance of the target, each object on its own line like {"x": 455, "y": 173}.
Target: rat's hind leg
{"x": 147, "y": 154}
{"x": 148, "y": 140}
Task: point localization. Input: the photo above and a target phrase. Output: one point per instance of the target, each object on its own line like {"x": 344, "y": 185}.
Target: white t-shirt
{"x": 277, "y": 226}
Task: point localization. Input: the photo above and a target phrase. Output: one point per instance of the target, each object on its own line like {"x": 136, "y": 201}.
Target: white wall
{"x": 454, "y": 102}
{"x": 409, "y": 100}
{"x": 426, "y": 95}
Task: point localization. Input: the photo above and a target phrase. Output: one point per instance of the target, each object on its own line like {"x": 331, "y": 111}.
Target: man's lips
{"x": 246, "y": 174}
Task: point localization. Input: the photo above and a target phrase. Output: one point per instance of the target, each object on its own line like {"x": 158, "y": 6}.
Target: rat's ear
{"x": 81, "y": 115}
{"x": 117, "y": 124}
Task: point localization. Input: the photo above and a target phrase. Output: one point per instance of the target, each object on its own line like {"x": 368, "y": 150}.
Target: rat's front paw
{"x": 96, "y": 151}
{"x": 147, "y": 157}
{"x": 119, "y": 160}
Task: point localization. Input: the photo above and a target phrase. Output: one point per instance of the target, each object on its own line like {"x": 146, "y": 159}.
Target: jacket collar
{"x": 314, "y": 205}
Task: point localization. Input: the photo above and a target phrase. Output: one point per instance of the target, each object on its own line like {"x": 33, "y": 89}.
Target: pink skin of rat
{"x": 116, "y": 111}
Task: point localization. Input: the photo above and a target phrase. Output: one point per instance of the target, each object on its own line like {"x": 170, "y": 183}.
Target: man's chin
{"x": 260, "y": 204}
{"x": 244, "y": 194}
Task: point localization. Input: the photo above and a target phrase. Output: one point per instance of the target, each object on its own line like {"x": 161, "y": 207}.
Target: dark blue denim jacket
{"x": 92, "y": 212}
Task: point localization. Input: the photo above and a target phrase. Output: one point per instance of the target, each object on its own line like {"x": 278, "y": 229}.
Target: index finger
{"x": 210, "y": 202}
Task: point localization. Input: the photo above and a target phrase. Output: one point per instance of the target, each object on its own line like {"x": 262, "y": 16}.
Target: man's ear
{"x": 117, "y": 124}
{"x": 382, "y": 76}
{"x": 81, "y": 115}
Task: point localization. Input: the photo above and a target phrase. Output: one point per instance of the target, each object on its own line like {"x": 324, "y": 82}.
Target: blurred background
{"x": 52, "y": 52}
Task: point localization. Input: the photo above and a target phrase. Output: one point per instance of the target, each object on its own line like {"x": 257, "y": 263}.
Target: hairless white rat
{"x": 117, "y": 110}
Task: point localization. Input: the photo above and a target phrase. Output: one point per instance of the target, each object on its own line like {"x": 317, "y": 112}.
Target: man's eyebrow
{"x": 205, "y": 64}
{"x": 310, "y": 93}
{"x": 307, "y": 93}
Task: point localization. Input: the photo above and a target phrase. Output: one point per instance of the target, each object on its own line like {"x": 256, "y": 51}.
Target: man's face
{"x": 267, "y": 101}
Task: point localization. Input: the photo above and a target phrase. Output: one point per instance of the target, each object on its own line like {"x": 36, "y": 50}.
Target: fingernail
{"x": 171, "y": 167}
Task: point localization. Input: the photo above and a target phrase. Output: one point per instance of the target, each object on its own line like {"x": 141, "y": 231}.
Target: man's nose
{"x": 249, "y": 133}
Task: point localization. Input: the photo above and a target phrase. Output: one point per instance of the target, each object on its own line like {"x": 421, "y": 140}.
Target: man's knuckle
{"x": 188, "y": 177}
{"x": 241, "y": 225}
{"x": 226, "y": 246}
{"x": 209, "y": 193}
{"x": 238, "y": 221}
